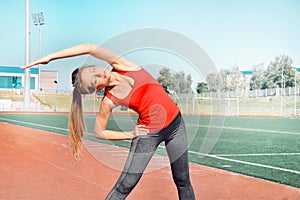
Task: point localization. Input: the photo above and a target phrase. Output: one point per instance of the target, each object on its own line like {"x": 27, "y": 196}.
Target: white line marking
{"x": 247, "y": 163}
{"x": 213, "y": 156}
{"x": 257, "y": 154}
{"x": 29, "y": 123}
{"x": 238, "y": 128}
{"x": 245, "y": 129}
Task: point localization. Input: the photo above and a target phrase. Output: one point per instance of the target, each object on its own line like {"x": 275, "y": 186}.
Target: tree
{"x": 280, "y": 73}
{"x": 178, "y": 82}
{"x": 189, "y": 82}
{"x": 258, "y": 79}
{"x": 166, "y": 79}
{"x": 202, "y": 87}
{"x": 182, "y": 83}
{"x": 213, "y": 82}
{"x": 223, "y": 79}
{"x": 234, "y": 82}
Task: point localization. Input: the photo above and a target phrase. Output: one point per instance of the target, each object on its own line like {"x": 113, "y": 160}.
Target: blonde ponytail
{"x": 76, "y": 121}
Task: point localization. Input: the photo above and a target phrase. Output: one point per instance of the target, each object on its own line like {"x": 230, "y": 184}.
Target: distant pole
{"x": 55, "y": 105}
{"x": 38, "y": 20}
{"x": 27, "y": 59}
{"x": 281, "y": 111}
{"x": 295, "y": 93}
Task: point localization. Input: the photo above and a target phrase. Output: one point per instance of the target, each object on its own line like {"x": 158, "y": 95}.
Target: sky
{"x": 239, "y": 33}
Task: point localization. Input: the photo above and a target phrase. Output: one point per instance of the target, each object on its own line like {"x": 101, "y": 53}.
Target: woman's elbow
{"x": 90, "y": 47}
{"x": 100, "y": 135}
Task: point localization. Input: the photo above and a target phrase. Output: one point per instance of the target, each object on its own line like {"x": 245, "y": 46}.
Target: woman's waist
{"x": 158, "y": 121}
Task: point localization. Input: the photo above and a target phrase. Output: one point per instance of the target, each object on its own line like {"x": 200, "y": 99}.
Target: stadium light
{"x": 39, "y": 20}
{"x": 26, "y": 102}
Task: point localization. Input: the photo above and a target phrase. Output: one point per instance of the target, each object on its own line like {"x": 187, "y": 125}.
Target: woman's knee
{"x": 128, "y": 183}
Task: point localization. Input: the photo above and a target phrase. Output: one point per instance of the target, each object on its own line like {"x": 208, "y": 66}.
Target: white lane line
{"x": 238, "y": 128}
{"x": 245, "y": 129}
{"x": 257, "y": 154}
{"x": 29, "y": 123}
{"x": 207, "y": 126}
{"x": 247, "y": 163}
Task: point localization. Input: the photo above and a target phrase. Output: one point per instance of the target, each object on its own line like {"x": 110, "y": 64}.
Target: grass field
{"x": 263, "y": 106}
{"x": 267, "y": 148}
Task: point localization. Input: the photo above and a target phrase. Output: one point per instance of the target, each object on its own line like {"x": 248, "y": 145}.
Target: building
{"x": 49, "y": 79}
{"x": 247, "y": 75}
{"x": 12, "y": 77}
{"x": 245, "y": 78}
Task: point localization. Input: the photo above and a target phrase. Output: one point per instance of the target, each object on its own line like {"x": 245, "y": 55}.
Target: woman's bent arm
{"x": 102, "y": 120}
{"x": 100, "y": 131}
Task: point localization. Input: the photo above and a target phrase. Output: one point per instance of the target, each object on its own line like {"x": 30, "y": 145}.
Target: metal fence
{"x": 271, "y": 102}
{"x": 290, "y": 91}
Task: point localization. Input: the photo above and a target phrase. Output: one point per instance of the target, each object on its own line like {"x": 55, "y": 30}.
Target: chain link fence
{"x": 268, "y": 102}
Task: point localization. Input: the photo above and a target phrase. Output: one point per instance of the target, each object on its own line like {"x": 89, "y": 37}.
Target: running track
{"x": 37, "y": 165}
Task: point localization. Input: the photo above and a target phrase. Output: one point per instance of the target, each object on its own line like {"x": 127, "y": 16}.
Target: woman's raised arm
{"x": 102, "y": 53}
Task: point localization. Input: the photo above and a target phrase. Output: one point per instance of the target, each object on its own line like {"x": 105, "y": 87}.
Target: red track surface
{"x": 38, "y": 165}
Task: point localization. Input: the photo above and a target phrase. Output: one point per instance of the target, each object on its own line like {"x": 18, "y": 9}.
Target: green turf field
{"x": 267, "y": 148}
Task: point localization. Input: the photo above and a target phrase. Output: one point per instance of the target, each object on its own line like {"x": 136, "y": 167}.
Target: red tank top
{"x": 148, "y": 98}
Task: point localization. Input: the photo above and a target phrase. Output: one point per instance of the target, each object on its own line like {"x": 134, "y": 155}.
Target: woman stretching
{"x": 129, "y": 85}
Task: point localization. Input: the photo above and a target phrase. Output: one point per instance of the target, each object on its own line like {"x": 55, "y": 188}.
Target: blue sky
{"x": 232, "y": 32}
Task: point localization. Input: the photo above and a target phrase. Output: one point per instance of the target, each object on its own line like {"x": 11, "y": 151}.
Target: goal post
{"x": 219, "y": 106}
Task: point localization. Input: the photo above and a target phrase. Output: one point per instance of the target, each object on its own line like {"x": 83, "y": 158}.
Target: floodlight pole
{"x": 27, "y": 59}
{"x": 295, "y": 93}
{"x": 281, "y": 111}
{"x": 38, "y": 20}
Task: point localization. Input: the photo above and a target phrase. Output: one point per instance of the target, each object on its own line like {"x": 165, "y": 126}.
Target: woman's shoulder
{"x": 122, "y": 64}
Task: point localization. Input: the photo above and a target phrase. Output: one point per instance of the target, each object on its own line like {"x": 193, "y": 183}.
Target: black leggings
{"x": 141, "y": 151}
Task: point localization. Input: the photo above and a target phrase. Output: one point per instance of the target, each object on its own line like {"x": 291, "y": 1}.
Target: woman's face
{"x": 95, "y": 77}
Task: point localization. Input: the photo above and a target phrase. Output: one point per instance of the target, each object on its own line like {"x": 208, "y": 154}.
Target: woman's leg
{"x": 177, "y": 148}
{"x": 141, "y": 150}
